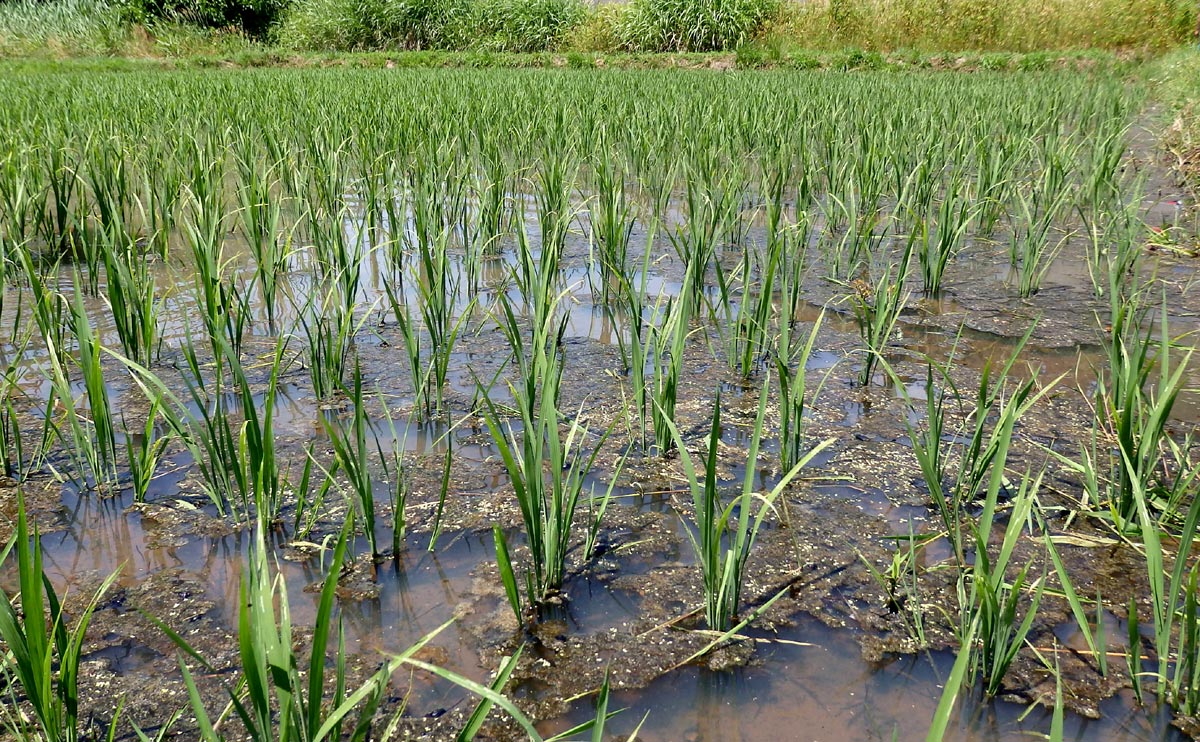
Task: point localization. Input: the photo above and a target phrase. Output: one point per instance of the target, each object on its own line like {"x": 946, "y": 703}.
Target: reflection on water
{"x": 825, "y": 692}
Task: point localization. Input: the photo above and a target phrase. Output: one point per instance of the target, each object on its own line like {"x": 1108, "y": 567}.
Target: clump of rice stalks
{"x": 280, "y": 696}
{"x": 351, "y": 455}
{"x": 791, "y": 360}
{"x": 980, "y": 445}
{"x": 43, "y": 650}
{"x": 877, "y": 306}
{"x": 725, "y": 533}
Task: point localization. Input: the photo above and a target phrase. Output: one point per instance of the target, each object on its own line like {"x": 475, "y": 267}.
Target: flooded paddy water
{"x": 346, "y": 297}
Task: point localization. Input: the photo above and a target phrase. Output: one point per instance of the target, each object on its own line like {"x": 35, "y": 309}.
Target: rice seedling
{"x": 612, "y": 224}
{"x": 237, "y": 463}
{"x": 143, "y": 451}
{"x": 309, "y": 504}
{"x": 260, "y": 215}
{"x": 853, "y": 234}
{"x": 746, "y": 323}
{"x": 329, "y": 334}
{"x": 94, "y": 436}
{"x": 130, "y": 295}
{"x": 1032, "y": 250}
{"x": 555, "y": 176}
{"x": 710, "y": 206}
{"x": 547, "y": 504}
{"x": 351, "y": 454}
{"x": 107, "y": 175}
{"x": 722, "y": 547}
{"x": 43, "y": 649}
{"x": 954, "y": 216}
{"x": 13, "y": 460}
{"x": 279, "y": 696}
{"x": 58, "y": 220}
{"x": 901, "y": 584}
{"x": 161, "y": 191}
{"x": 877, "y": 305}
{"x": 1133, "y": 409}
{"x": 1172, "y": 599}
{"x": 437, "y": 288}
{"x": 396, "y": 470}
{"x": 1093, "y": 636}
{"x": 627, "y": 310}
{"x": 19, "y": 186}
{"x": 981, "y": 453}
{"x": 791, "y": 360}
{"x": 668, "y": 336}
{"x": 992, "y": 602}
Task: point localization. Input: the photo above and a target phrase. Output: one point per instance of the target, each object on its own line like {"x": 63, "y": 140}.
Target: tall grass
{"x": 957, "y": 25}
{"x": 29, "y": 26}
{"x": 693, "y": 25}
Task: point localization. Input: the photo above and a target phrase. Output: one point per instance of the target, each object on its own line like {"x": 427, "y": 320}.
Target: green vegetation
{"x": 546, "y": 273}
{"x": 762, "y": 31}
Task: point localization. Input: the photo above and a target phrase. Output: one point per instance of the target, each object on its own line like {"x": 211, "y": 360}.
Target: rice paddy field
{"x": 607, "y": 404}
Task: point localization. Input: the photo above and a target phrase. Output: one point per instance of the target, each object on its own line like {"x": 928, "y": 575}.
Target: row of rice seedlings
{"x": 43, "y": 649}
{"x": 722, "y": 546}
{"x": 863, "y": 184}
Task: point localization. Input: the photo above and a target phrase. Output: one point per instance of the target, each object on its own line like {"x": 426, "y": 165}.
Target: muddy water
{"x": 813, "y": 686}
{"x": 806, "y": 681}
